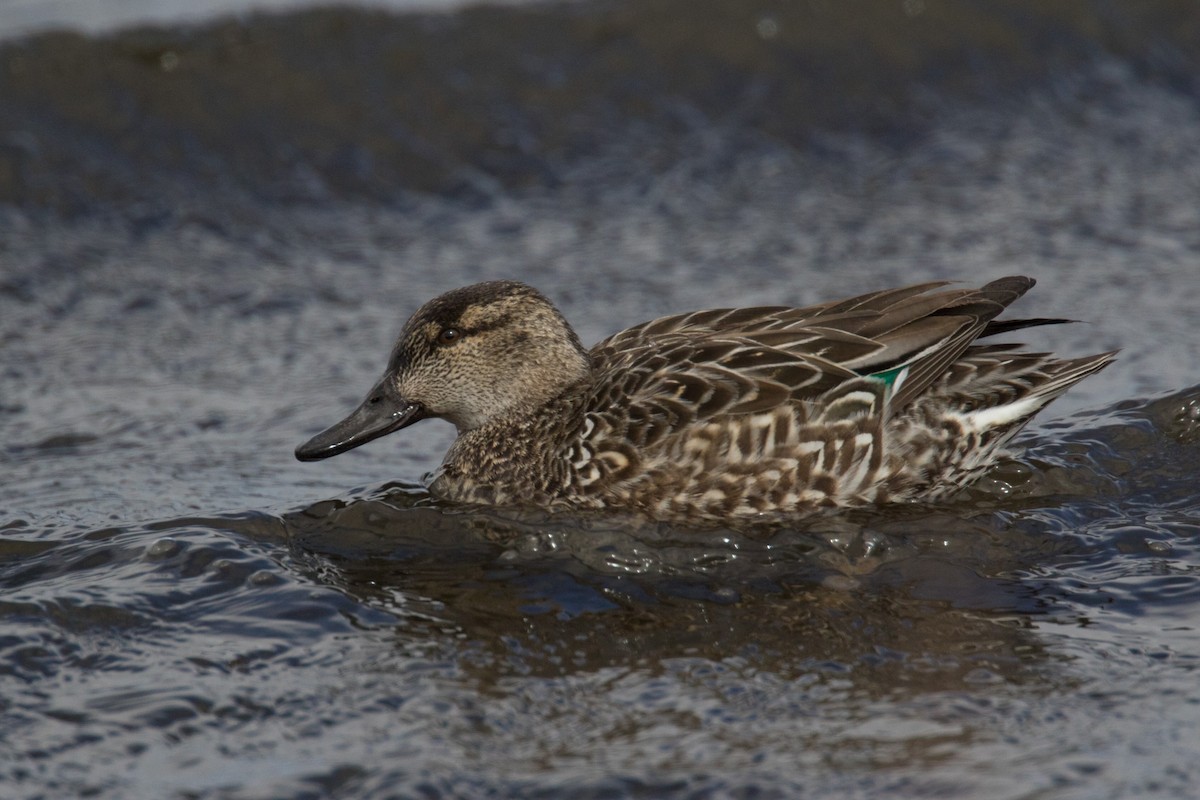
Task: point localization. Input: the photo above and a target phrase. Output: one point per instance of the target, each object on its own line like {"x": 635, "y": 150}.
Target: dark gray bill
{"x": 382, "y": 412}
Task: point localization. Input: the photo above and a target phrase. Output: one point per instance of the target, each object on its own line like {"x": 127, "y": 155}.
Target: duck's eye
{"x": 449, "y": 336}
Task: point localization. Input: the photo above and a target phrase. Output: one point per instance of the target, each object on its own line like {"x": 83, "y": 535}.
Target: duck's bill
{"x": 383, "y": 412}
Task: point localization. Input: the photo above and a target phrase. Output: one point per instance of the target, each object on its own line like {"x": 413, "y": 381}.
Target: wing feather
{"x": 666, "y": 376}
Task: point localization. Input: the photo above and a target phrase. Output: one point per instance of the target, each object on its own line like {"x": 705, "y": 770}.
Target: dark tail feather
{"x": 1005, "y": 325}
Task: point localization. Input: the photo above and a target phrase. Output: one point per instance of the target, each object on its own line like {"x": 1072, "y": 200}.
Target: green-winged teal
{"x": 713, "y": 415}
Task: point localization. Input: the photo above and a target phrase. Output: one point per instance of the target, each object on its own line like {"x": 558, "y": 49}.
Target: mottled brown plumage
{"x": 714, "y": 415}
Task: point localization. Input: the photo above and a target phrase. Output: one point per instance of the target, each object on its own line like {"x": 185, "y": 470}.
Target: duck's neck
{"x": 515, "y": 457}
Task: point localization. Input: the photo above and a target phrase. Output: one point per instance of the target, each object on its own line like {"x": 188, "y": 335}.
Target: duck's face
{"x": 470, "y": 356}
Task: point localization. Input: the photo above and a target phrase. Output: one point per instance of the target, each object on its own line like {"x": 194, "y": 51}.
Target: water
{"x": 209, "y": 236}
{"x": 23, "y": 17}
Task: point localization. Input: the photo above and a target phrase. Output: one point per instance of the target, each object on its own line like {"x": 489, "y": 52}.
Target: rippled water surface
{"x": 209, "y": 235}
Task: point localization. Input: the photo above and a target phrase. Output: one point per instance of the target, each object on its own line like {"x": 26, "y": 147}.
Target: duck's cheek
{"x": 417, "y": 390}
{"x": 465, "y": 413}
{"x": 437, "y": 402}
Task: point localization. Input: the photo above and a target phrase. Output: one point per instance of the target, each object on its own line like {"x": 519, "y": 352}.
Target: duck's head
{"x": 470, "y": 356}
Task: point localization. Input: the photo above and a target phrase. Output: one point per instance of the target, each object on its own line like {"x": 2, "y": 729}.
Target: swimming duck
{"x": 719, "y": 415}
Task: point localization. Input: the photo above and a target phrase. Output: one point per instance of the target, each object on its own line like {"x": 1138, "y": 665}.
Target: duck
{"x": 714, "y": 416}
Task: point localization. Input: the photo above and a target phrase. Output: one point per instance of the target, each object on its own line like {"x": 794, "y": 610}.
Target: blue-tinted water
{"x": 209, "y": 237}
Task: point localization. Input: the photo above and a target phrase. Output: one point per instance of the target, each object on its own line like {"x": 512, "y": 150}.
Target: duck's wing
{"x": 868, "y": 314}
{"x": 656, "y": 394}
{"x": 852, "y": 311}
{"x": 731, "y": 361}
{"x": 680, "y": 379}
